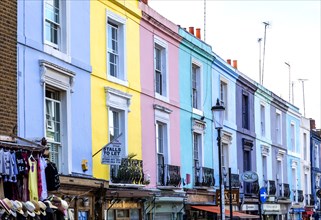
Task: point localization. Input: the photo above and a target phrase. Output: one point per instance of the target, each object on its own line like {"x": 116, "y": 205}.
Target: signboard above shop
{"x": 249, "y": 177}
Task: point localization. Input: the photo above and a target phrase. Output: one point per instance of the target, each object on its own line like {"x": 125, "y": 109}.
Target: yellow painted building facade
{"x": 119, "y": 20}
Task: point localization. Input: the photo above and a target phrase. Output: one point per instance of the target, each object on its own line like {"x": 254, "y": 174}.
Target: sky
{"x": 234, "y": 27}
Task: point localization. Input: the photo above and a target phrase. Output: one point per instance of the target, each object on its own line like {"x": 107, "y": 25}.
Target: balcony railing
{"x": 300, "y": 196}
{"x": 204, "y": 177}
{"x": 311, "y": 202}
{"x": 251, "y": 188}
{"x": 271, "y": 188}
{"x": 285, "y": 193}
{"x": 130, "y": 171}
{"x": 169, "y": 175}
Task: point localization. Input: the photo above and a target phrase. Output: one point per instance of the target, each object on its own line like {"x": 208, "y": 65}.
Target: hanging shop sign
{"x": 112, "y": 152}
{"x": 235, "y": 196}
{"x": 249, "y": 176}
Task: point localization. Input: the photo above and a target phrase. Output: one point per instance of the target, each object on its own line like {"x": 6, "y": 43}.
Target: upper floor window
{"x": 223, "y": 97}
{"x": 294, "y": 180}
{"x": 196, "y": 86}
{"x": 115, "y": 47}
{"x": 115, "y": 119}
{"x": 161, "y": 146}
{"x": 245, "y": 111}
{"x": 197, "y": 156}
{"x": 264, "y": 168}
{"x": 305, "y": 145}
{"x": 292, "y": 130}
{"x": 279, "y": 171}
{"x": 53, "y": 23}
{"x": 278, "y": 128}
{"x": 262, "y": 112}
{"x": 160, "y": 66}
{"x": 58, "y": 84}
{"x": 53, "y": 124}
{"x": 225, "y": 156}
{"x": 316, "y": 156}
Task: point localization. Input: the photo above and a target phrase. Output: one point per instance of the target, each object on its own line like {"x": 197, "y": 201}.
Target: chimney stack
{"x": 191, "y": 30}
{"x": 229, "y": 61}
{"x": 312, "y": 124}
{"x": 198, "y": 33}
{"x": 235, "y": 64}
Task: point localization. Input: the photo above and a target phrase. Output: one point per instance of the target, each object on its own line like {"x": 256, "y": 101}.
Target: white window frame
{"x": 278, "y": 127}
{"x": 119, "y": 101}
{"x": 162, "y": 45}
{"x": 53, "y": 127}
{"x": 316, "y": 156}
{"x": 280, "y": 158}
{"x": 162, "y": 116}
{"x": 199, "y": 65}
{"x": 120, "y": 22}
{"x": 198, "y": 87}
{"x": 262, "y": 117}
{"x": 62, "y": 49}
{"x": 224, "y": 96}
{"x": 294, "y": 181}
{"x": 292, "y": 137}
{"x": 225, "y": 156}
{"x": 199, "y": 157}
{"x": 305, "y": 145}
{"x": 62, "y": 80}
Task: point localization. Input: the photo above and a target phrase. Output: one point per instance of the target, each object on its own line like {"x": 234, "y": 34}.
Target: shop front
{"x": 271, "y": 211}
{"x": 125, "y": 202}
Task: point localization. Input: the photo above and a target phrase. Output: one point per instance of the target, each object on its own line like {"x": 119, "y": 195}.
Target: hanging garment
{"x": 39, "y": 177}
{"x": 7, "y": 165}
{"x": 43, "y": 165}
{"x": 1, "y": 161}
{"x": 33, "y": 179}
{"x": 25, "y": 180}
{"x": 14, "y": 170}
{"x": 52, "y": 177}
{"x": 21, "y": 163}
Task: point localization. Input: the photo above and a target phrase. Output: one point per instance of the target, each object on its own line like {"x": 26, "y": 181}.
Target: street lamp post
{"x": 218, "y": 117}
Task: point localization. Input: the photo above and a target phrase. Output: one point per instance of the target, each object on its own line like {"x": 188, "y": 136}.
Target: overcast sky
{"x": 233, "y": 29}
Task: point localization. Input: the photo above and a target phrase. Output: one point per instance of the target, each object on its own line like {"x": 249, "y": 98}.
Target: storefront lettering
{"x": 249, "y": 176}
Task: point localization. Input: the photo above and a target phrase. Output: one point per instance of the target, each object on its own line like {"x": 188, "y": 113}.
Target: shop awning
{"x": 216, "y": 209}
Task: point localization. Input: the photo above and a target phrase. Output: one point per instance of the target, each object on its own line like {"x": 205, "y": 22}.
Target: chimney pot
{"x": 229, "y": 61}
{"x": 198, "y": 33}
{"x": 145, "y": 1}
{"x": 191, "y": 30}
{"x": 235, "y": 64}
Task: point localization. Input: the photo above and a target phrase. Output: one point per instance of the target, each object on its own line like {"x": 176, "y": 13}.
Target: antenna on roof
{"x": 204, "y": 20}
{"x": 266, "y": 24}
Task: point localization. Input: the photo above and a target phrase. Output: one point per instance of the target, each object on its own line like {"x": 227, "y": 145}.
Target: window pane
{"x": 113, "y": 62}
{"x": 160, "y": 137}
{"x": 158, "y": 82}
{"x": 158, "y": 59}
{"x": 114, "y": 124}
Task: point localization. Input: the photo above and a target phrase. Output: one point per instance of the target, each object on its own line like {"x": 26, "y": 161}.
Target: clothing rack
{"x": 16, "y": 146}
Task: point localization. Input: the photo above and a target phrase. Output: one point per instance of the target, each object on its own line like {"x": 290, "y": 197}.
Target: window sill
{"x": 56, "y": 53}
{"x": 117, "y": 80}
{"x": 198, "y": 112}
{"x": 163, "y": 98}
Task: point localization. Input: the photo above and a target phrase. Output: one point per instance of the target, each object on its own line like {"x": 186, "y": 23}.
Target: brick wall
{"x": 8, "y": 66}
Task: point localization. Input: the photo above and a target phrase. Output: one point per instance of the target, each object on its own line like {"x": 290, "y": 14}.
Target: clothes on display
{"x": 23, "y": 181}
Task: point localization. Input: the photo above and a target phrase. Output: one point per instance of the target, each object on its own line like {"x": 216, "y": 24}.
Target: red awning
{"x": 216, "y": 209}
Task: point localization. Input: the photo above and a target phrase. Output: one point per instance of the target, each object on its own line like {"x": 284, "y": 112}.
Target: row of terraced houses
{"x": 110, "y": 77}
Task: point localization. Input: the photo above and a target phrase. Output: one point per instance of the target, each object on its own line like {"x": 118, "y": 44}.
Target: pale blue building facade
{"x": 54, "y": 80}
{"x": 196, "y": 131}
